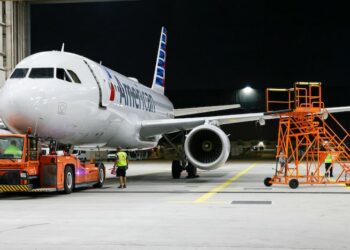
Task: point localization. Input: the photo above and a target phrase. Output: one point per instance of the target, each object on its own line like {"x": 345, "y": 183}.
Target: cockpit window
{"x": 19, "y": 73}
{"x": 41, "y": 73}
{"x": 74, "y": 76}
{"x": 62, "y": 74}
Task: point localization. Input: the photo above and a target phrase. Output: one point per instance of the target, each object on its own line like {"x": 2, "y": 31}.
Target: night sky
{"x": 214, "y": 47}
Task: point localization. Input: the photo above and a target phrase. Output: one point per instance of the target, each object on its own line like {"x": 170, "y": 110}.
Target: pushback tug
{"x": 27, "y": 170}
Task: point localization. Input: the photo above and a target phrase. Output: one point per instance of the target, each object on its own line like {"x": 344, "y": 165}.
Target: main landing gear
{"x": 191, "y": 171}
{"x": 177, "y": 168}
{"x": 181, "y": 162}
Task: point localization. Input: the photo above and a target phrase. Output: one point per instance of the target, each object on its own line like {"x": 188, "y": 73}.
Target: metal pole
{"x": 2, "y": 54}
{"x": 9, "y": 36}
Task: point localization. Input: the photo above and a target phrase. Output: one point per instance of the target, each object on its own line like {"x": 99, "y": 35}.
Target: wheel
{"x": 268, "y": 182}
{"x": 293, "y": 183}
{"x": 176, "y": 169}
{"x": 347, "y": 184}
{"x": 191, "y": 171}
{"x": 68, "y": 180}
{"x": 101, "y": 177}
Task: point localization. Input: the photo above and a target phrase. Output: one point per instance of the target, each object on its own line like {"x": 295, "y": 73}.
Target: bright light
{"x": 261, "y": 144}
{"x": 247, "y": 90}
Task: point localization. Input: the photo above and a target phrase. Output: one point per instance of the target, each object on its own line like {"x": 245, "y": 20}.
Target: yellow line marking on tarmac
{"x": 341, "y": 184}
{"x": 220, "y": 187}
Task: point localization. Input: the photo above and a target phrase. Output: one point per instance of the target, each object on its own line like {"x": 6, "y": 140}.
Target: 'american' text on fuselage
{"x": 133, "y": 97}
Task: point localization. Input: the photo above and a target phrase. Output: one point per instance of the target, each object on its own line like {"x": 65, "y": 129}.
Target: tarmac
{"x": 227, "y": 208}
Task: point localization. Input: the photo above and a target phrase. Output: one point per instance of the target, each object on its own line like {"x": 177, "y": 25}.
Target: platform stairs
{"x": 306, "y": 137}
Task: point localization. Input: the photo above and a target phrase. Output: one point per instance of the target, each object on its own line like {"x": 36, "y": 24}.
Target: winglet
{"x": 159, "y": 71}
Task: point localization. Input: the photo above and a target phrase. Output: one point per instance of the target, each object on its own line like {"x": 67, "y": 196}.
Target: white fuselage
{"x": 83, "y": 113}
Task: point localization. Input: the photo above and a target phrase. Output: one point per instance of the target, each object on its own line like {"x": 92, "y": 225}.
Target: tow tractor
{"x": 24, "y": 169}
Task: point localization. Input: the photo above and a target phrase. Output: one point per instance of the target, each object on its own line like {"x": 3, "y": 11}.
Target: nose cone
{"x": 19, "y": 104}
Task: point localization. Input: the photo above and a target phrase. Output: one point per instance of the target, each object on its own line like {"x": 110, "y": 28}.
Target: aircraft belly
{"x": 124, "y": 130}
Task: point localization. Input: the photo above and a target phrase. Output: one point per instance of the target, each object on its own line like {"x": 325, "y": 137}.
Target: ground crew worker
{"x": 12, "y": 149}
{"x": 122, "y": 164}
{"x": 282, "y": 161}
{"x": 328, "y": 162}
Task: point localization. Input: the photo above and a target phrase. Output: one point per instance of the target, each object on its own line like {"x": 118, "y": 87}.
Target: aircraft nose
{"x": 19, "y": 103}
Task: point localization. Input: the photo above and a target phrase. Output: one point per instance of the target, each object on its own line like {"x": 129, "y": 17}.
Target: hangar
{"x": 15, "y": 27}
{"x": 226, "y": 208}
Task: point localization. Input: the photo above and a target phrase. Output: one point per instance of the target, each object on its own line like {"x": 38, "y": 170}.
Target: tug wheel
{"x": 101, "y": 177}
{"x": 68, "y": 180}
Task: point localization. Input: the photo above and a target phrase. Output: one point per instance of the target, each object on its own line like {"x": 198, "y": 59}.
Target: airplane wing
{"x": 151, "y": 128}
{"x": 199, "y": 110}
{"x": 155, "y": 127}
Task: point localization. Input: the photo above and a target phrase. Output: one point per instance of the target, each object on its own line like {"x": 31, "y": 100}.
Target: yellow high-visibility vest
{"x": 13, "y": 150}
{"x": 121, "y": 159}
{"x": 328, "y": 159}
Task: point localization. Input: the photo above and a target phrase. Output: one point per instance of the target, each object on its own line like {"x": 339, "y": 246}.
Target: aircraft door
{"x": 103, "y": 85}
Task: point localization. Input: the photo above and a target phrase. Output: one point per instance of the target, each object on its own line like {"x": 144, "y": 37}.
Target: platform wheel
{"x": 176, "y": 169}
{"x": 268, "y": 182}
{"x": 68, "y": 180}
{"x": 347, "y": 184}
{"x": 101, "y": 177}
{"x": 293, "y": 183}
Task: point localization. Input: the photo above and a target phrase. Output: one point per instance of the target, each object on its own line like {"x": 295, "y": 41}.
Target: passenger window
{"x": 74, "y": 76}
{"x": 19, "y": 73}
{"x": 41, "y": 73}
{"x": 62, "y": 74}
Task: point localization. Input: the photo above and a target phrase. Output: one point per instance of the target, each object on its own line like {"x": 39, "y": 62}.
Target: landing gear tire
{"x": 101, "y": 177}
{"x": 191, "y": 171}
{"x": 176, "y": 169}
{"x": 293, "y": 183}
{"x": 68, "y": 180}
{"x": 267, "y": 182}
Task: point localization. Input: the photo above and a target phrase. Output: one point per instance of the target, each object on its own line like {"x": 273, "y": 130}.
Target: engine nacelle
{"x": 207, "y": 147}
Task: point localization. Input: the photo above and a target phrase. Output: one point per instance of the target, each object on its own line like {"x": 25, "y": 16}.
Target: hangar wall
{"x": 15, "y": 42}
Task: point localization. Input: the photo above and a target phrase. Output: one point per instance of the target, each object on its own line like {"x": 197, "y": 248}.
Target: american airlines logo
{"x": 133, "y": 97}
{"x": 130, "y": 96}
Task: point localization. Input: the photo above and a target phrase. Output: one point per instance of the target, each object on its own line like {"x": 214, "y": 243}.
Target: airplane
{"x": 76, "y": 101}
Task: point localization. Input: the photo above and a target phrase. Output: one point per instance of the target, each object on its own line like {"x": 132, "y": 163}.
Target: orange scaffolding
{"x": 305, "y": 139}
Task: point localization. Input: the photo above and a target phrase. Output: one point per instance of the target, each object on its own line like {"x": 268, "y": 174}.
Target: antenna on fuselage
{"x": 100, "y": 62}
{"x": 62, "y": 48}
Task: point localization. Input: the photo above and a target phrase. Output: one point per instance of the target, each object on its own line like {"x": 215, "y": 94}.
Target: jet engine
{"x": 207, "y": 147}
